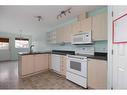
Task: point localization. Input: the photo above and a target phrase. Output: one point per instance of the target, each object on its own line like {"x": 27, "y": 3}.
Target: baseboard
{"x": 28, "y": 75}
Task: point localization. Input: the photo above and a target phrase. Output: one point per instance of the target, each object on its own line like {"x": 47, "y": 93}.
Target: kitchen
{"x": 71, "y": 53}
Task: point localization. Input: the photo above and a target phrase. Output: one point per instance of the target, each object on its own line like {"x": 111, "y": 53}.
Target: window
{"x": 4, "y": 43}
{"x": 21, "y": 43}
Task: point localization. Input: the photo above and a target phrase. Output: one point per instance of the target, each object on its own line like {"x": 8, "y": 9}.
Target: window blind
{"x": 25, "y": 39}
{"x": 4, "y": 40}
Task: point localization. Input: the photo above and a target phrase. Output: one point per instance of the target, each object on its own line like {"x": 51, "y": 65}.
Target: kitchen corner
{"x": 77, "y": 54}
{"x": 57, "y": 60}
{"x": 72, "y": 54}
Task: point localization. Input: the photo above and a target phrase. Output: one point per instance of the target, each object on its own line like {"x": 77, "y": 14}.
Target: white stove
{"x": 77, "y": 66}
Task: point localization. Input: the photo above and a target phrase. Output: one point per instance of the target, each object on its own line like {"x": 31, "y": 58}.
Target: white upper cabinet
{"x": 99, "y": 27}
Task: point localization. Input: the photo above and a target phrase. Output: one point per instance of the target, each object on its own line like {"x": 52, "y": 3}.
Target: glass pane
{"x": 21, "y": 44}
{"x": 4, "y": 45}
{"x": 75, "y": 65}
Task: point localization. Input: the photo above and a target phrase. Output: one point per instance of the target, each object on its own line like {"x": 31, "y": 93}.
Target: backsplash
{"x": 99, "y": 46}
{"x": 67, "y": 46}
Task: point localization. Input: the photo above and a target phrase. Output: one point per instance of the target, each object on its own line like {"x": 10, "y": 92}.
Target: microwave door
{"x": 84, "y": 38}
{"x": 77, "y": 39}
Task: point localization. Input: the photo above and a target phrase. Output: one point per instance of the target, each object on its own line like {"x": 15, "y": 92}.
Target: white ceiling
{"x": 22, "y": 17}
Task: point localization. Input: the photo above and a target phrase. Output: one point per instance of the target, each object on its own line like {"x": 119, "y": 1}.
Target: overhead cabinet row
{"x": 97, "y": 24}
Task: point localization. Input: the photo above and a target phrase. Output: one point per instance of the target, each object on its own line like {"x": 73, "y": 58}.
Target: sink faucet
{"x": 31, "y": 48}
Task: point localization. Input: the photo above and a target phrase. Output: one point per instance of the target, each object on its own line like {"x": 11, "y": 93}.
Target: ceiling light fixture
{"x": 64, "y": 12}
{"x": 39, "y": 18}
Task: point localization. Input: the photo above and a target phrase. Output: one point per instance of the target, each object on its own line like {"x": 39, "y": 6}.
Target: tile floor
{"x": 47, "y": 80}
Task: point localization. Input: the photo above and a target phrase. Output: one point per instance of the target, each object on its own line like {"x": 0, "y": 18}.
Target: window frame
{"x": 22, "y": 39}
{"x": 5, "y": 41}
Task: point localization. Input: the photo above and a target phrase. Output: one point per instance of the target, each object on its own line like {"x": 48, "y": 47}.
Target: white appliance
{"x": 55, "y": 62}
{"x": 82, "y": 38}
{"x": 77, "y": 66}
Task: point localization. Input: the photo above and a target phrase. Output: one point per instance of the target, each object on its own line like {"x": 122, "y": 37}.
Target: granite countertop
{"x": 61, "y": 52}
{"x": 101, "y": 56}
{"x": 97, "y": 55}
{"x": 27, "y": 53}
{"x": 49, "y": 52}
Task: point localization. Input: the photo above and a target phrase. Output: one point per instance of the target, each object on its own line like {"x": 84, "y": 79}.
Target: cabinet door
{"x": 49, "y": 61}
{"x": 76, "y": 28}
{"x": 99, "y": 31}
{"x": 27, "y": 64}
{"x": 97, "y": 74}
{"x": 63, "y": 65}
{"x": 51, "y": 37}
{"x": 56, "y": 62}
{"x": 41, "y": 62}
{"x": 67, "y": 33}
{"x": 86, "y": 25}
{"x": 60, "y": 35}
{"x": 48, "y": 37}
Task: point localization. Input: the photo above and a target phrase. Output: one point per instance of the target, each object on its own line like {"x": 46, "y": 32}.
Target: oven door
{"x": 77, "y": 66}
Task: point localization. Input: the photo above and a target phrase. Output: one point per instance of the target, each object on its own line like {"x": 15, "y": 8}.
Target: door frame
{"x": 110, "y": 74}
{"x": 110, "y": 50}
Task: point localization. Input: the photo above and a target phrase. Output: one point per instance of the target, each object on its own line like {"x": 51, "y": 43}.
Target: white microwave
{"x": 82, "y": 38}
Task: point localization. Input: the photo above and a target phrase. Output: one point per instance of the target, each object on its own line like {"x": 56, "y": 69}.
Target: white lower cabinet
{"x": 55, "y": 60}
{"x": 59, "y": 64}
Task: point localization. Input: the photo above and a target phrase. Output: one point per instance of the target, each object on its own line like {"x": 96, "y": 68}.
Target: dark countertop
{"x": 61, "y": 52}
{"x": 27, "y": 53}
{"x": 97, "y": 55}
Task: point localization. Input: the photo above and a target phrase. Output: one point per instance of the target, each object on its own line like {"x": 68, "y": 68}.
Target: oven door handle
{"x": 76, "y": 57}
